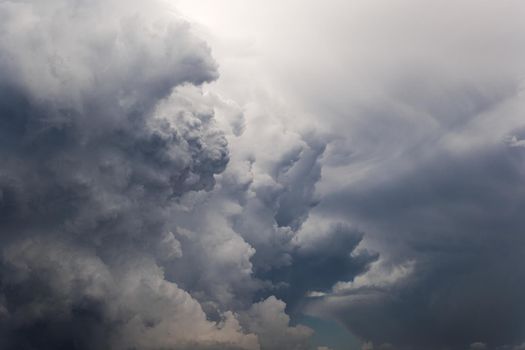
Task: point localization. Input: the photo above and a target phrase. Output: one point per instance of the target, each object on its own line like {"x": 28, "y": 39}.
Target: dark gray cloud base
{"x": 460, "y": 219}
{"x": 448, "y": 203}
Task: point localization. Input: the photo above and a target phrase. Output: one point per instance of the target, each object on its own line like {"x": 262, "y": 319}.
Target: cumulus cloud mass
{"x": 262, "y": 175}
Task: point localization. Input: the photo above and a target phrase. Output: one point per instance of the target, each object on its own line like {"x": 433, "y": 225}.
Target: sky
{"x": 262, "y": 175}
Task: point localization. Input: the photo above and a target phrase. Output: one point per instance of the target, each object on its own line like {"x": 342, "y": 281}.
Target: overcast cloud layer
{"x": 201, "y": 174}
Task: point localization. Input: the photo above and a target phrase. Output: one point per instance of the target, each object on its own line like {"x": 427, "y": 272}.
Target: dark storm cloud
{"x": 427, "y": 161}
{"x": 274, "y": 209}
{"x": 281, "y": 202}
{"x": 95, "y": 148}
{"x": 140, "y": 210}
{"x": 126, "y": 220}
{"x": 319, "y": 264}
{"x": 459, "y": 218}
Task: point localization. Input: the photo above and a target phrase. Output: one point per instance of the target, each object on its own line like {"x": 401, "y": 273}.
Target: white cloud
{"x": 379, "y": 276}
{"x": 268, "y": 319}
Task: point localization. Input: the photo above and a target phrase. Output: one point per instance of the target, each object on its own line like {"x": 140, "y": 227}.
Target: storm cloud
{"x": 420, "y": 107}
{"x": 110, "y": 152}
{"x": 363, "y": 165}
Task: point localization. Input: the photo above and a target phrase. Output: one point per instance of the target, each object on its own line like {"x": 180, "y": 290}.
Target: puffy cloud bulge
{"x": 93, "y": 153}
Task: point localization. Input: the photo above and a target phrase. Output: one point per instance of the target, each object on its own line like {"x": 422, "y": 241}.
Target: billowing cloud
{"x": 96, "y": 148}
{"x": 363, "y": 165}
{"x": 58, "y": 295}
{"x": 268, "y": 319}
{"x": 114, "y": 233}
{"x": 420, "y": 107}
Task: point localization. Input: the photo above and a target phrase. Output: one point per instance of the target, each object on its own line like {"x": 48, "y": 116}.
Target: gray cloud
{"x": 375, "y": 181}
{"x": 423, "y": 105}
{"x": 96, "y": 147}
{"x": 448, "y": 217}
{"x": 268, "y": 319}
{"x": 128, "y": 221}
